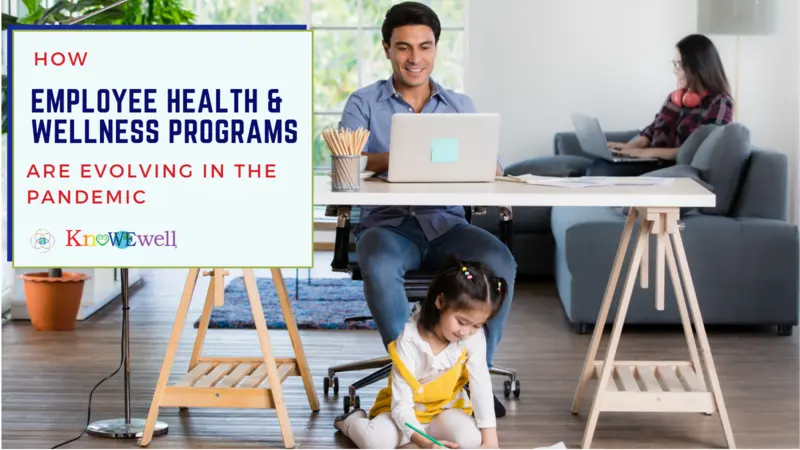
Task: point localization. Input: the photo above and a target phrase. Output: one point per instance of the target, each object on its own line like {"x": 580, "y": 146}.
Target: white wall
{"x": 535, "y": 61}
{"x": 768, "y": 90}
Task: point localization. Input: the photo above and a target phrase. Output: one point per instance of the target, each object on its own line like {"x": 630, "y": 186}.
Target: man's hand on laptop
{"x": 377, "y": 162}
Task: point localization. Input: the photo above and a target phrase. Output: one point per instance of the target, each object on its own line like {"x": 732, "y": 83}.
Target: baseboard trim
{"x": 323, "y": 246}
{"x": 19, "y": 310}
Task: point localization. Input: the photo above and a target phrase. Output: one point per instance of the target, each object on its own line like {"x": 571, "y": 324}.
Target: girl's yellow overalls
{"x": 436, "y": 395}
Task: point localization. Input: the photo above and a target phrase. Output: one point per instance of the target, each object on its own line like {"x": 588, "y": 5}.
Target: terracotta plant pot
{"x": 53, "y": 302}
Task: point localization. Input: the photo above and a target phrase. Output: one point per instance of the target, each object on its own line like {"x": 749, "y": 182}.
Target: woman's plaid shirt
{"x": 673, "y": 124}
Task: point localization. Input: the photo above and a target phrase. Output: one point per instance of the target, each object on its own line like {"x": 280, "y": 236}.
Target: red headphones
{"x": 689, "y": 99}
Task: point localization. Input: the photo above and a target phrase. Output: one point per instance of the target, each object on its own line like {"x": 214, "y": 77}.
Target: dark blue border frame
{"x": 9, "y": 89}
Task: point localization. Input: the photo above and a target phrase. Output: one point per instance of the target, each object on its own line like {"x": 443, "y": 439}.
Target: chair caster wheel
{"x": 355, "y": 402}
{"x": 326, "y": 385}
{"x": 507, "y": 388}
{"x": 349, "y": 402}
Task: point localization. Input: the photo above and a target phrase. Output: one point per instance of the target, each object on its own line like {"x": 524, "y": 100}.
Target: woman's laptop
{"x": 593, "y": 140}
{"x": 443, "y": 147}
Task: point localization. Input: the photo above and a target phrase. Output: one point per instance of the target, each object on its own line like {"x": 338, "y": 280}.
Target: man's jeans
{"x": 385, "y": 253}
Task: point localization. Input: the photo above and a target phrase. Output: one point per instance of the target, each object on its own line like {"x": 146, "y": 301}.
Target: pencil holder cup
{"x": 345, "y": 173}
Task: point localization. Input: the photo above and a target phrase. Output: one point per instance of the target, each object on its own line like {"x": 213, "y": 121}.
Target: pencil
{"x": 425, "y": 435}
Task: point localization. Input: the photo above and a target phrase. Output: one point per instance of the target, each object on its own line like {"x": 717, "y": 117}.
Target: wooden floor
{"x": 47, "y": 378}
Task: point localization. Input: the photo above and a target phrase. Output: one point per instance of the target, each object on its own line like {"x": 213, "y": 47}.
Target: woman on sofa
{"x": 703, "y": 97}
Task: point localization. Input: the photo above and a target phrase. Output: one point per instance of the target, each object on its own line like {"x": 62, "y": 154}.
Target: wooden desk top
{"x": 682, "y": 192}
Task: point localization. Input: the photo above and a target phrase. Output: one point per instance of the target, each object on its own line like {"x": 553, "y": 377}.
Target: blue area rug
{"x": 323, "y": 305}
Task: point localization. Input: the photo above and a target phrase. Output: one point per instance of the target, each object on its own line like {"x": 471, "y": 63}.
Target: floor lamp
{"x": 736, "y": 18}
{"x": 123, "y": 427}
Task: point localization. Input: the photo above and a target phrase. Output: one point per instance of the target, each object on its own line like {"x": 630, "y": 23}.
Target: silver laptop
{"x": 443, "y": 147}
{"x": 593, "y": 140}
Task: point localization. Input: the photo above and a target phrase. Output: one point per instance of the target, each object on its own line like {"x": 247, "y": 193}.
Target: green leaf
{"x": 30, "y": 5}
{"x": 33, "y": 16}
{"x": 49, "y": 12}
{"x": 60, "y": 17}
{"x": 93, "y": 4}
{"x": 8, "y": 20}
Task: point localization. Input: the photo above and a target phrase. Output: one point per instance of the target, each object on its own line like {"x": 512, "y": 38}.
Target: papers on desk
{"x": 583, "y": 182}
{"x": 559, "y": 445}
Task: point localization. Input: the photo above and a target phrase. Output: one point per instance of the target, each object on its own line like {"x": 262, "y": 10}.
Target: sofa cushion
{"x": 721, "y": 158}
{"x": 676, "y": 171}
{"x": 680, "y": 171}
{"x": 551, "y": 166}
{"x": 688, "y": 150}
{"x": 765, "y": 186}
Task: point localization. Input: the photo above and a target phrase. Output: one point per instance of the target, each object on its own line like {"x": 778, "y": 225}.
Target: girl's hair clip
{"x": 499, "y": 286}
{"x": 466, "y": 272}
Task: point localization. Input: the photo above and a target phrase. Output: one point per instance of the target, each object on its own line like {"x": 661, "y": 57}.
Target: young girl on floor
{"x": 440, "y": 350}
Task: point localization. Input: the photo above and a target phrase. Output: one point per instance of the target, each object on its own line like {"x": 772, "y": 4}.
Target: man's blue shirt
{"x": 372, "y": 107}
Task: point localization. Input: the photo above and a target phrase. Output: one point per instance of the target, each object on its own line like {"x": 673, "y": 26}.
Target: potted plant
{"x": 132, "y": 12}
{"x": 54, "y": 298}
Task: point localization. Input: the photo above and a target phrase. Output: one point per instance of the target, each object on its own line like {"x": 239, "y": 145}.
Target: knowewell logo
{"x": 42, "y": 241}
{"x": 120, "y": 239}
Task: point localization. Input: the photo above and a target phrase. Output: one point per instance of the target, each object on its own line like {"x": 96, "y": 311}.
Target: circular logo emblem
{"x": 42, "y": 241}
{"x": 124, "y": 239}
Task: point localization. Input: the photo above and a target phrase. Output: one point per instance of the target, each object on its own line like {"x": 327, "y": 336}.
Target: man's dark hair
{"x": 410, "y": 13}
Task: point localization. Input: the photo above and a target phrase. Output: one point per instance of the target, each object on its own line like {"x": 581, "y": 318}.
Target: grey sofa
{"x": 533, "y": 245}
{"x": 743, "y": 253}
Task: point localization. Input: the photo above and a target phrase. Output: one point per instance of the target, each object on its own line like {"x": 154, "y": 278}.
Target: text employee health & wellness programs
{"x": 146, "y": 130}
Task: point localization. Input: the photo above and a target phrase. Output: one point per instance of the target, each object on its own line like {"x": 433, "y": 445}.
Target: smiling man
{"x": 392, "y": 240}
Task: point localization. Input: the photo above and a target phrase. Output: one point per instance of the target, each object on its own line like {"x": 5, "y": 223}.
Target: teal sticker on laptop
{"x": 444, "y": 150}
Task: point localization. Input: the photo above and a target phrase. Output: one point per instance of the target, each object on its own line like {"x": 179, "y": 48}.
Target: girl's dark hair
{"x": 410, "y": 13}
{"x": 464, "y": 285}
{"x": 702, "y": 65}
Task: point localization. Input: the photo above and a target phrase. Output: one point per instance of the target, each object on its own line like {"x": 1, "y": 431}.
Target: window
{"x": 347, "y": 45}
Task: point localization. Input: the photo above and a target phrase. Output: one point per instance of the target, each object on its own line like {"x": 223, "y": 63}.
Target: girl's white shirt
{"x": 424, "y": 366}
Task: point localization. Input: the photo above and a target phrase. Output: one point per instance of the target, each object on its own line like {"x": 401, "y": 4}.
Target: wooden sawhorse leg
{"x": 637, "y": 385}
{"x": 232, "y": 382}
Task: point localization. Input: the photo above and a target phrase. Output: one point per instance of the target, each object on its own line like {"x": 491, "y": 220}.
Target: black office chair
{"x": 416, "y": 286}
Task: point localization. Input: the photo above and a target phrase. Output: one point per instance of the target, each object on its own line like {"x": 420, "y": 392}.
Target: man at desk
{"x": 394, "y": 239}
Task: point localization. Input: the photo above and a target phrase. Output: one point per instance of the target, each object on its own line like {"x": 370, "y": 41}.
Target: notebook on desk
{"x": 582, "y": 182}
{"x": 443, "y": 148}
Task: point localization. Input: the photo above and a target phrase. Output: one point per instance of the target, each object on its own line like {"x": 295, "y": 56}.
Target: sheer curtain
{"x": 7, "y": 275}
